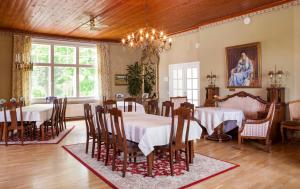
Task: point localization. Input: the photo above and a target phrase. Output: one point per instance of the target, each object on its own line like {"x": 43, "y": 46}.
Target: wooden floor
{"x": 49, "y": 166}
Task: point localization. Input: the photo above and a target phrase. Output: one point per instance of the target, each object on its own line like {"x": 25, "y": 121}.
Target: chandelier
{"x": 22, "y": 63}
{"x": 147, "y": 38}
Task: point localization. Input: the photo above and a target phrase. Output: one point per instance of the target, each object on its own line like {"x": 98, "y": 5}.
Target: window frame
{"x": 77, "y": 65}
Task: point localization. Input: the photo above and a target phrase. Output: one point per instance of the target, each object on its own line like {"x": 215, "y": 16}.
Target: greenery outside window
{"x": 64, "y": 70}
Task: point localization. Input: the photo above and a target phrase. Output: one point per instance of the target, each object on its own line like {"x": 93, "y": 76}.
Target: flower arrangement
{"x": 2, "y": 101}
{"x": 13, "y": 100}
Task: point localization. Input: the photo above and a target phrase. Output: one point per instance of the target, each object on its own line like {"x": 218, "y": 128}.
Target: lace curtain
{"x": 21, "y": 79}
{"x": 104, "y": 71}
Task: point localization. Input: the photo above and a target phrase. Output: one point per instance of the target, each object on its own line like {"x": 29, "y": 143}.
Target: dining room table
{"x": 213, "y": 119}
{"x": 37, "y": 113}
{"x": 149, "y": 131}
{"x": 121, "y": 106}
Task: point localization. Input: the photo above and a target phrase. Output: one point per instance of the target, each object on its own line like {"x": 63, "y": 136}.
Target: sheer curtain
{"x": 21, "y": 79}
{"x": 104, "y": 69}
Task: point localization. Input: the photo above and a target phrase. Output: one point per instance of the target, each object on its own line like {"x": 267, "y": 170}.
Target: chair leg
{"x": 268, "y": 146}
{"x": 114, "y": 160}
{"x": 171, "y": 163}
{"x": 52, "y": 131}
{"x": 187, "y": 158}
{"x": 239, "y": 141}
{"x": 282, "y": 134}
{"x": 99, "y": 150}
{"x": 106, "y": 155}
{"x": 87, "y": 145}
{"x": 124, "y": 164}
{"x": 22, "y": 136}
{"x": 93, "y": 147}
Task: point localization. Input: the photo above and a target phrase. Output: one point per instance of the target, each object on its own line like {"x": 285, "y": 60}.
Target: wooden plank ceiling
{"x": 67, "y": 17}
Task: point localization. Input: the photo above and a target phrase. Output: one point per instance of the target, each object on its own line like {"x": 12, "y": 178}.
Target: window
{"x": 184, "y": 81}
{"x": 63, "y": 70}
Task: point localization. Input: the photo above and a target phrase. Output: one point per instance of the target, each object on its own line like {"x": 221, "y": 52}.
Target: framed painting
{"x": 244, "y": 66}
{"x": 121, "y": 79}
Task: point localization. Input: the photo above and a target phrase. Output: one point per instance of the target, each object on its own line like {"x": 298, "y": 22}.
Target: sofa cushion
{"x": 248, "y": 105}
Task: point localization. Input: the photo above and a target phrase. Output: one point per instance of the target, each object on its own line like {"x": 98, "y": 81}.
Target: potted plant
{"x": 135, "y": 79}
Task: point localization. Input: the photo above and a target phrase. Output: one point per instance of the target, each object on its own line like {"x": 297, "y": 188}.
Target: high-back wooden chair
{"x": 179, "y": 136}
{"x": 63, "y": 112}
{"x": 13, "y": 120}
{"x": 53, "y": 122}
{"x": 258, "y": 129}
{"x": 131, "y": 104}
{"x": 191, "y": 107}
{"x": 167, "y": 108}
{"x": 152, "y": 107}
{"x": 91, "y": 133}
{"x": 177, "y": 100}
{"x": 109, "y": 104}
{"x": 120, "y": 142}
{"x": 104, "y": 132}
{"x": 294, "y": 123}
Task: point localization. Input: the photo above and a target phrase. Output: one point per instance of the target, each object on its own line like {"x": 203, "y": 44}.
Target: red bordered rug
{"x": 48, "y": 138}
{"x": 203, "y": 168}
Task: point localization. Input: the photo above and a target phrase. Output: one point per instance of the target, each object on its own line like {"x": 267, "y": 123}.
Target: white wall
{"x": 297, "y": 53}
{"x": 274, "y": 30}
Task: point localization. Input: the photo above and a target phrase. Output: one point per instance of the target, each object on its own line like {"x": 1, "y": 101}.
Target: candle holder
{"x": 211, "y": 78}
{"x": 276, "y": 77}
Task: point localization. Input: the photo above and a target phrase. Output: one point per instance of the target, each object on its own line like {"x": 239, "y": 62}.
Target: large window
{"x": 63, "y": 70}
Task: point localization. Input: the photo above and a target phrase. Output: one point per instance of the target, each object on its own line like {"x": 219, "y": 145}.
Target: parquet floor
{"x": 49, "y": 166}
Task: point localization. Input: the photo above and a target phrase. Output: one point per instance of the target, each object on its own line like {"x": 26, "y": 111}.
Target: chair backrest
{"x": 119, "y": 96}
{"x": 167, "y": 108}
{"x": 178, "y": 100}
{"x": 64, "y": 108}
{"x": 152, "y": 107}
{"x": 109, "y": 104}
{"x": 131, "y": 101}
{"x": 294, "y": 108}
{"x": 117, "y": 127}
{"x": 88, "y": 117}
{"x": 191, "y": 107}
{"x": 102, "y": 123}
{"x": 182, "y": 117}
{"x": 12, "y": 109}
{"x": 60, "y": 107}
{"x": 270, "y": 116}
{"x": 55, "y": 110}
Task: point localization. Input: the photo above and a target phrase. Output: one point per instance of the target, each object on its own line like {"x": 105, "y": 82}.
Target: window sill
{"x": 71, "y": 100}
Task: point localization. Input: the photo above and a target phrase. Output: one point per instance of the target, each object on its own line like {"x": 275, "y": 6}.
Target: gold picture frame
{"x": 244, "y": 66}
{"x": 121, "y": 79}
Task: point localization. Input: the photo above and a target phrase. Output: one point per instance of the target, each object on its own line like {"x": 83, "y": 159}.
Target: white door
{"x": 184, "y": 81}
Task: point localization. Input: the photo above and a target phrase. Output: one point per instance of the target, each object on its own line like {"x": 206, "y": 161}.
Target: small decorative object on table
{"x": 2, "y": 101}
{"x": 13, "y": 100}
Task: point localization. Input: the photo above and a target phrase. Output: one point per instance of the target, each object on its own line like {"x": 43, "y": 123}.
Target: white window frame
{"x": 77, "y": 45}
{"x": 184, "y": 66}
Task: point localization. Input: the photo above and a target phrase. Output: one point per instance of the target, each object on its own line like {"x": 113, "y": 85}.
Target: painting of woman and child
{"x": 244, "y": 66}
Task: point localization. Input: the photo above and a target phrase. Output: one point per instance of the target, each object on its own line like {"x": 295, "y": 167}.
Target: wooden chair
{"x": 152, "y": 107}
{"x": 53, "y": 122}
{"x": 104, "y": 135}
{"x": 258, "y": 129}
{"x": 120, "y": 142}
{"x": 109, "y": 104}
{"x": 167, "y": 108}
{"x": 178, "y": 100}
{"x": 294, "y": 123}
{"x": 13, "y": 124}
{"x": 131, "y": 101}
{"x": 91, "y": 132}
{"x": 63, "y": 113}
{"x": 191, "y": 107}
{"x": 182, "y": 117}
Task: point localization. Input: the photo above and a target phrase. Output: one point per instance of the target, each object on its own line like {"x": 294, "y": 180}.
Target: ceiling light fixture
{"x": 247, "y": 20}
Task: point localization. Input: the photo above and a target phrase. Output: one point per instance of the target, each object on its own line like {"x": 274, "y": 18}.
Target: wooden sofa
{"x": 254, "y": 108}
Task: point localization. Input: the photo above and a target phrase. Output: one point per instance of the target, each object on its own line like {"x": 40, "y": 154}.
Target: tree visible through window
{"x": 64, "y": 70}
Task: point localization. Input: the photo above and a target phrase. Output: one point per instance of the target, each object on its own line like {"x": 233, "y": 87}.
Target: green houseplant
{"x": 135, "y": 79}
{"x": 149, "y": 78}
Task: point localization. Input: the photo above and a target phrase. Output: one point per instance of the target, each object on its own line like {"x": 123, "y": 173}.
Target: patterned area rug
{"x": 203, "y": 168}
{"x": 48, "y": 138}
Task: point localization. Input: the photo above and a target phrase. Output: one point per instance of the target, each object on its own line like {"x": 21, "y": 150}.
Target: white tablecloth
{"x": 151, "y": 130}
{"x": 37, "y": 112}
{"x": 211, "y": 117}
